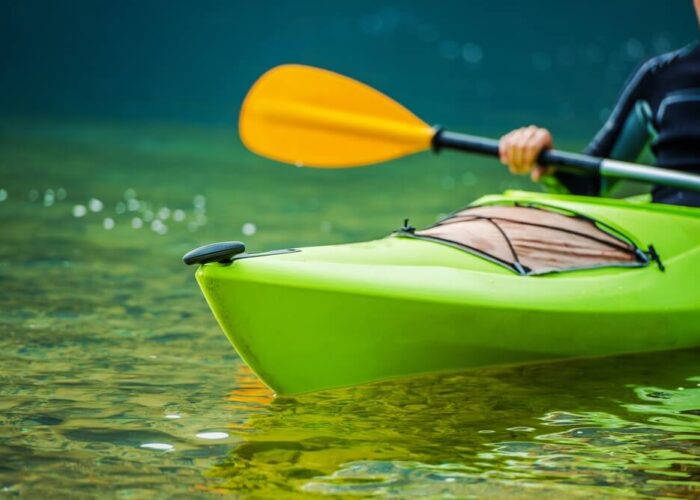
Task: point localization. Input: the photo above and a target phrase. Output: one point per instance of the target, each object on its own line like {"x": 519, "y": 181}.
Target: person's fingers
{"x": 520, "y": 150}
{"x": 506, "y": 150}
{"x": 538, "y": 141}
{"x": 503, "y": 146}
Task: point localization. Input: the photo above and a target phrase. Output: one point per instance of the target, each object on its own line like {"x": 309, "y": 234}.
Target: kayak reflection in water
{"x": 661, "y": 103}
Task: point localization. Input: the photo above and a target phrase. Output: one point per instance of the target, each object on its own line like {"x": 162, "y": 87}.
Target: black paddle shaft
{"x": 481, "y": 145}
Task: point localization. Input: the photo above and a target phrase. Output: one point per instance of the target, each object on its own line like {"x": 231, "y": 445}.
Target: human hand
{"x": 519, "y": 149}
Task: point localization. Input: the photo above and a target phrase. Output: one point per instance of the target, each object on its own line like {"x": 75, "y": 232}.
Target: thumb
{"x": 538, "y": 172}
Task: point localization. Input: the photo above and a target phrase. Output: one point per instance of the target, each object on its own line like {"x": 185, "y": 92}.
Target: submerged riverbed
{"x": 116, "y": 378}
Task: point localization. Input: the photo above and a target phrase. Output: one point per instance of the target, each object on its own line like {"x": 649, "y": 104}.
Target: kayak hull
{"x": 342, "y": 315}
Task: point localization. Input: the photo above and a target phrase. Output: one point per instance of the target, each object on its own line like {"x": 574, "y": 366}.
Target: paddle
{"x": 312, "y": 117}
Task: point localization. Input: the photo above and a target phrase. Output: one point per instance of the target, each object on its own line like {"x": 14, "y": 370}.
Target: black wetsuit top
{"x": 670, "y": 85}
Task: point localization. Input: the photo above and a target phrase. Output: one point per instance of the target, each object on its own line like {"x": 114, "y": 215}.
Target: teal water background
{"x": 118, "y": 154}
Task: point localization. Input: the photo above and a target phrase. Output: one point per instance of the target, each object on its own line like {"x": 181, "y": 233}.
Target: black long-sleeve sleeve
{"x": 604, "y": 141}
{"x": 667, "y": 88}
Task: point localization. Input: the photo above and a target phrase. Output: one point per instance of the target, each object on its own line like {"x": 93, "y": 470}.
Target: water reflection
{"x": 580, "y": 429}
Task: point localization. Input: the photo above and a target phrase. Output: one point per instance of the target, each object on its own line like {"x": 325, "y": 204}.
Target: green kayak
{"x": 616, "y": 276}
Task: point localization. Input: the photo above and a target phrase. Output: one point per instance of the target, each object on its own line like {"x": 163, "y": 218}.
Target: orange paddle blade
{"x": 312, "y": 117}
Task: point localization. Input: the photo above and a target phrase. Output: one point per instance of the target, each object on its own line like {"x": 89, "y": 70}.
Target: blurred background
{"x": 147, "y": 95}
{"x": 119, "y": 153}
{"x": 483, "y": 64}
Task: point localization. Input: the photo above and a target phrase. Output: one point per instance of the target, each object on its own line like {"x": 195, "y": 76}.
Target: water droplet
{"x": 148, "y": 216}
{"x": 158, "y": 446}
{"x": 49, "y": 197}
{"x": 212, "y": 435}
{"x": 472, "y": 53}
{"x": 136, "y": 223}
{"x": 120, "y": 207}
{"x": 158, "y": 226}
{"x": 249, "y": 229}
{"x": 33, "y": 195}
{"x": 199, "y": 201}
{"x": 79, "y": 210}
{"x": 3, "y": 194}
{"x": 179, "y": 215}
{"x": 95, "y": 205}
{"x": 164, "y": 213}
{"x": 486, "y": 431}
{"x": 129, "y": 194}
{"x": 172, "y": 416}
{"x": 108, "y": 223}
{"x": 61, "y": 194}
{"x": 133, "y": 204}
{"x": 299, "y": 163}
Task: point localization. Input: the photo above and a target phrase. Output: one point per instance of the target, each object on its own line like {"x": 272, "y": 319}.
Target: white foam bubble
{"x": 3, "y": 194}
{"x": 133, "y": 204}
{"x": 136, "y": 223}
{"x": 199, "y": 201}
{"x": 79, "y": 210}
{"x": 179, "y": 215}
{"x": 249, "y": 229}
{"x": 49, "y": 197}
{"x": 164, "y": 213}
{"x": 158, "y": 446}
{"x": 108, "y": 223}
{"x": 212, "y": 435}
{"x": 158, "y": 227}
{"x": 95, "y": 205}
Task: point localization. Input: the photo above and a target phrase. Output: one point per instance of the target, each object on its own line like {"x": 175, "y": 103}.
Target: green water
{"x": 117, "y": 381}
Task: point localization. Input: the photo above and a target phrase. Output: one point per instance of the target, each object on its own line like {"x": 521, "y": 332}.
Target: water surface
{"x": 116, "y": 378}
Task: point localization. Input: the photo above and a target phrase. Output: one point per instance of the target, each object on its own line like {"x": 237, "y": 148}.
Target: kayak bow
{"x": 325, "y": 317}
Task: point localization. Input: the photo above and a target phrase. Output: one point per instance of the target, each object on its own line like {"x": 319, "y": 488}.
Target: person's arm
{"x": 520, "y": 148}
{"x": 605, "y": 141}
